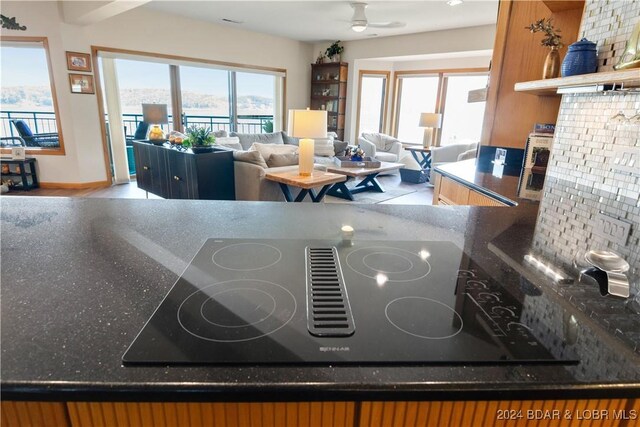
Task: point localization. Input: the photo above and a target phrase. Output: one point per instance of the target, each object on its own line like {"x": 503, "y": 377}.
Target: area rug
{"x": 371, "y": 197}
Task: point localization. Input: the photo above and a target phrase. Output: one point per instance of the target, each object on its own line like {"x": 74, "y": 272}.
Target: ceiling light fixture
{"x": 454, "y": 2}
{"x": 359, "y": 26}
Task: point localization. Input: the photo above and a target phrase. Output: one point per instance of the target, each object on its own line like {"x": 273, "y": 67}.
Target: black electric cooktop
{"x": 333, "y": 302}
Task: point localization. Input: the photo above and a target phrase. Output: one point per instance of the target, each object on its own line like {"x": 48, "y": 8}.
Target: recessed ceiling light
{"x": 454, "y": 2}
{"x": 231, "y": 21}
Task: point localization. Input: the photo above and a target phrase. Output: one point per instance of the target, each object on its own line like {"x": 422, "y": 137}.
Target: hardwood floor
{"x": 415, "y": 194}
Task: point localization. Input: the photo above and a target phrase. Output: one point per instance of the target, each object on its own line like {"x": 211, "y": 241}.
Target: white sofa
{"x": 250, "y": 181}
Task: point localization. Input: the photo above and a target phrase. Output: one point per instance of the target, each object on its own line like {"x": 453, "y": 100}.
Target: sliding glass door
{"x": 205, "y": 97}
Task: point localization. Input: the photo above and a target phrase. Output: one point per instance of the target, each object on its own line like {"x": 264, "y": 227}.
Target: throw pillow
{"x": 339, "y": 147}
{"x": 246, "y": 139}
{"x": 230, "y": 142}
{"x": 323, "y": 148}
{"x": 220, "y": 133}
{"x": 266, "y": 150}
{"x": 253, "y": 157}
{"x": 277, "y": 160}
{"x": 289, "y": 139}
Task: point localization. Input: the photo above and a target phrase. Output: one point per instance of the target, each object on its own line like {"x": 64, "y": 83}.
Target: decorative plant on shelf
{"x": 551, "y": 40}
{"x": 334, "y": 50}
{"x": 198, "y": 137}
{"x": 551, "y": 36}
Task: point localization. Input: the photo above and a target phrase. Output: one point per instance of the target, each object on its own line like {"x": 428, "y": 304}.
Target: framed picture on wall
{"x": 79, "y": 61}
{"x": 81, "y": 83}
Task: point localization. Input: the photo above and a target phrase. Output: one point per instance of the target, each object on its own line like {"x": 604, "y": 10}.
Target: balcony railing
{"x": 38, "y": 122}
{"x": 45, "y": 122}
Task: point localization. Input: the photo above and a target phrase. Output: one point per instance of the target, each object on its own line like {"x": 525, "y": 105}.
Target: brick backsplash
{"x": 609, "y": 23}
{"x": 581, "y": 180}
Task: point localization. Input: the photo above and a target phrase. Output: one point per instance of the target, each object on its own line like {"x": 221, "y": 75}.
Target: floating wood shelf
{"x": 561, "y": 6}
{"x": 629, "y": 78}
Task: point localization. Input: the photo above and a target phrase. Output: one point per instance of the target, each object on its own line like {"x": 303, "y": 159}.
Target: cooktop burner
{"x": 332, "y": 302}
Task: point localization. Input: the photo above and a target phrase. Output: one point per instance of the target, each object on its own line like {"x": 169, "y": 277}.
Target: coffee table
{"x": 369, "y": 183}
{"x": 305, "y": 183}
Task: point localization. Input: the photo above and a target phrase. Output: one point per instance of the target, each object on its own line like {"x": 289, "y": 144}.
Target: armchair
{"x": 46, "y": 140}
{"x": 383, "y": 147}
{"x": 450, "y": 153}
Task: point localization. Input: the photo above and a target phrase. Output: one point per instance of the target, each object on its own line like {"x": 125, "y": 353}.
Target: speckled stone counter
{"x": 80, "y": 277}
{"x": 501, "y": 185}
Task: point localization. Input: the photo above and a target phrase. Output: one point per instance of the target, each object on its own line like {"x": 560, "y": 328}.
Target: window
{"x": 28, "y": 107}
{"x": 372, "y": 103}
{"x": 417, "y": 94}
{"x": 205, "y": 97}
{"x": 444, "y": 93}
{"x": 255, "y": 102}
{"x": 462, "y": 120}
{"x": 142, "y": 83}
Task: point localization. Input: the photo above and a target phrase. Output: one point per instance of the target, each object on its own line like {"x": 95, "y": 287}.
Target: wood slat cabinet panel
{"x": 453, "y": 192}
{"x": 527, "y": 413}
{"x": 304, "y": 414}
{"x": 477, "y": 199}
{"x": 449, "y": 192}
{"x": 33, "y": 414}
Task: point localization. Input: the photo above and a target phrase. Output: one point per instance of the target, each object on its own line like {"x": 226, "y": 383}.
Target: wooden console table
{"x": 25, "y": 176}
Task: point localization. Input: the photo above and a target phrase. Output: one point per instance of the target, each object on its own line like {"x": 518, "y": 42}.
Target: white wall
{"x": 149, "y": 31}
{"x": 435, "y": 43}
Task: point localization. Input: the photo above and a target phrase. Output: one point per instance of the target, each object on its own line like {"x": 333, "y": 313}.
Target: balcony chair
{"x": 383, "y": 147}
{"x": 141, "y": 133}
{"x": 45, "y": 140}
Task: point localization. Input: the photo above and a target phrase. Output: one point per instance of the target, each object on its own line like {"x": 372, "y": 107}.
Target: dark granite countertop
{"x": 500, "y": 183}
{"x": 80, "y": 277}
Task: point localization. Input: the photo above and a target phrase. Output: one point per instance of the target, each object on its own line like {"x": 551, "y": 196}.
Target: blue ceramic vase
{"x": 581, "y": 58}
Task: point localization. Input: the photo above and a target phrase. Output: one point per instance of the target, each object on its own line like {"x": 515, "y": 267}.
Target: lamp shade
{"x": 155, "y": 114}
{"x": 430, "y": 120}
{"x": 307, "y": 124}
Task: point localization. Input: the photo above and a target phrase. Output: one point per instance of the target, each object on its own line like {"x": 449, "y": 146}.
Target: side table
{"x": 425, "y": 155}
{"x": 25, "y": 176}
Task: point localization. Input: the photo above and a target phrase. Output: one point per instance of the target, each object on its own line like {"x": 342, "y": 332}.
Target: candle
{"x": 305, "y": 153}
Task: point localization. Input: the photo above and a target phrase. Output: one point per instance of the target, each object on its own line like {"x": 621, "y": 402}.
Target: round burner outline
{"x": 385, "y": 271}
{"x": 386, "y": 313}
{"x": 283, "y": 323}
{"x": 387, "y": 250}
{"x": 275, "y": 304}
{"x": 246, "y": 244}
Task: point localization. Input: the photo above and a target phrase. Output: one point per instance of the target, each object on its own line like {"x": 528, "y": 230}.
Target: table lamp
{"x": 307, "y": 124}
{"x": 429, "y": 121}
{"x": 155, "y": 114}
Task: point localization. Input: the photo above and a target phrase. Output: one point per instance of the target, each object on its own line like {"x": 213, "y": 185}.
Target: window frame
{"x": 384, "y": 101}
{"x": 441, "y": 97}
{"x": 46, "y": 151}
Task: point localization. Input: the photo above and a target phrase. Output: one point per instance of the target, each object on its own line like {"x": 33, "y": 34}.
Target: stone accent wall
{"x": 581, "y": 179}
{"x": 609, "y": 23}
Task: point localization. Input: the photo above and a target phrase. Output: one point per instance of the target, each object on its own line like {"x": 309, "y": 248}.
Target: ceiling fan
{"x": 359, "y": 22}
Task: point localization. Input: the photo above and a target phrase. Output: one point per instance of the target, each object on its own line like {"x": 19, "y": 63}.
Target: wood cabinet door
{"x": 143, "y": 166}
{"x": 181, "y": 180}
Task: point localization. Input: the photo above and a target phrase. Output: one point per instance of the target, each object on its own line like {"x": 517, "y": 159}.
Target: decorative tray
{"x": 366, "y": 162}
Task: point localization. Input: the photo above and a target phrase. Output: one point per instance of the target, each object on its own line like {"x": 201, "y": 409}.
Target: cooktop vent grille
{"x": 328, "y": 309}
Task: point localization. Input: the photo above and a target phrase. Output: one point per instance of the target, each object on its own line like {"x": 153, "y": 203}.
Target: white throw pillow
{"x": 266, "y": 150}
{"x": 323, "y": 147}
{"x": 253, "y": 157}
{"x": 232, "y": 142}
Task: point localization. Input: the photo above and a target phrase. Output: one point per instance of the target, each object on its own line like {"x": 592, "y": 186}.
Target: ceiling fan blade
{"x": 387, "y": 24}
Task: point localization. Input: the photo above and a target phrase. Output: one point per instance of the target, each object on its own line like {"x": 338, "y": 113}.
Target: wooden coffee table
{"x": 305, "y": 183}
{"x": 369, "y": 183}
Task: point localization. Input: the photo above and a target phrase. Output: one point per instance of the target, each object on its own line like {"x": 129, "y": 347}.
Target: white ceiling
{"x": 327, "y": 20}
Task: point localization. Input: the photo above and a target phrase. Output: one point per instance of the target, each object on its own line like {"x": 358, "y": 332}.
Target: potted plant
{"x": 334, "y": 51}
{"x": 551, "y": 40}
{"x": 199, "y": 139}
